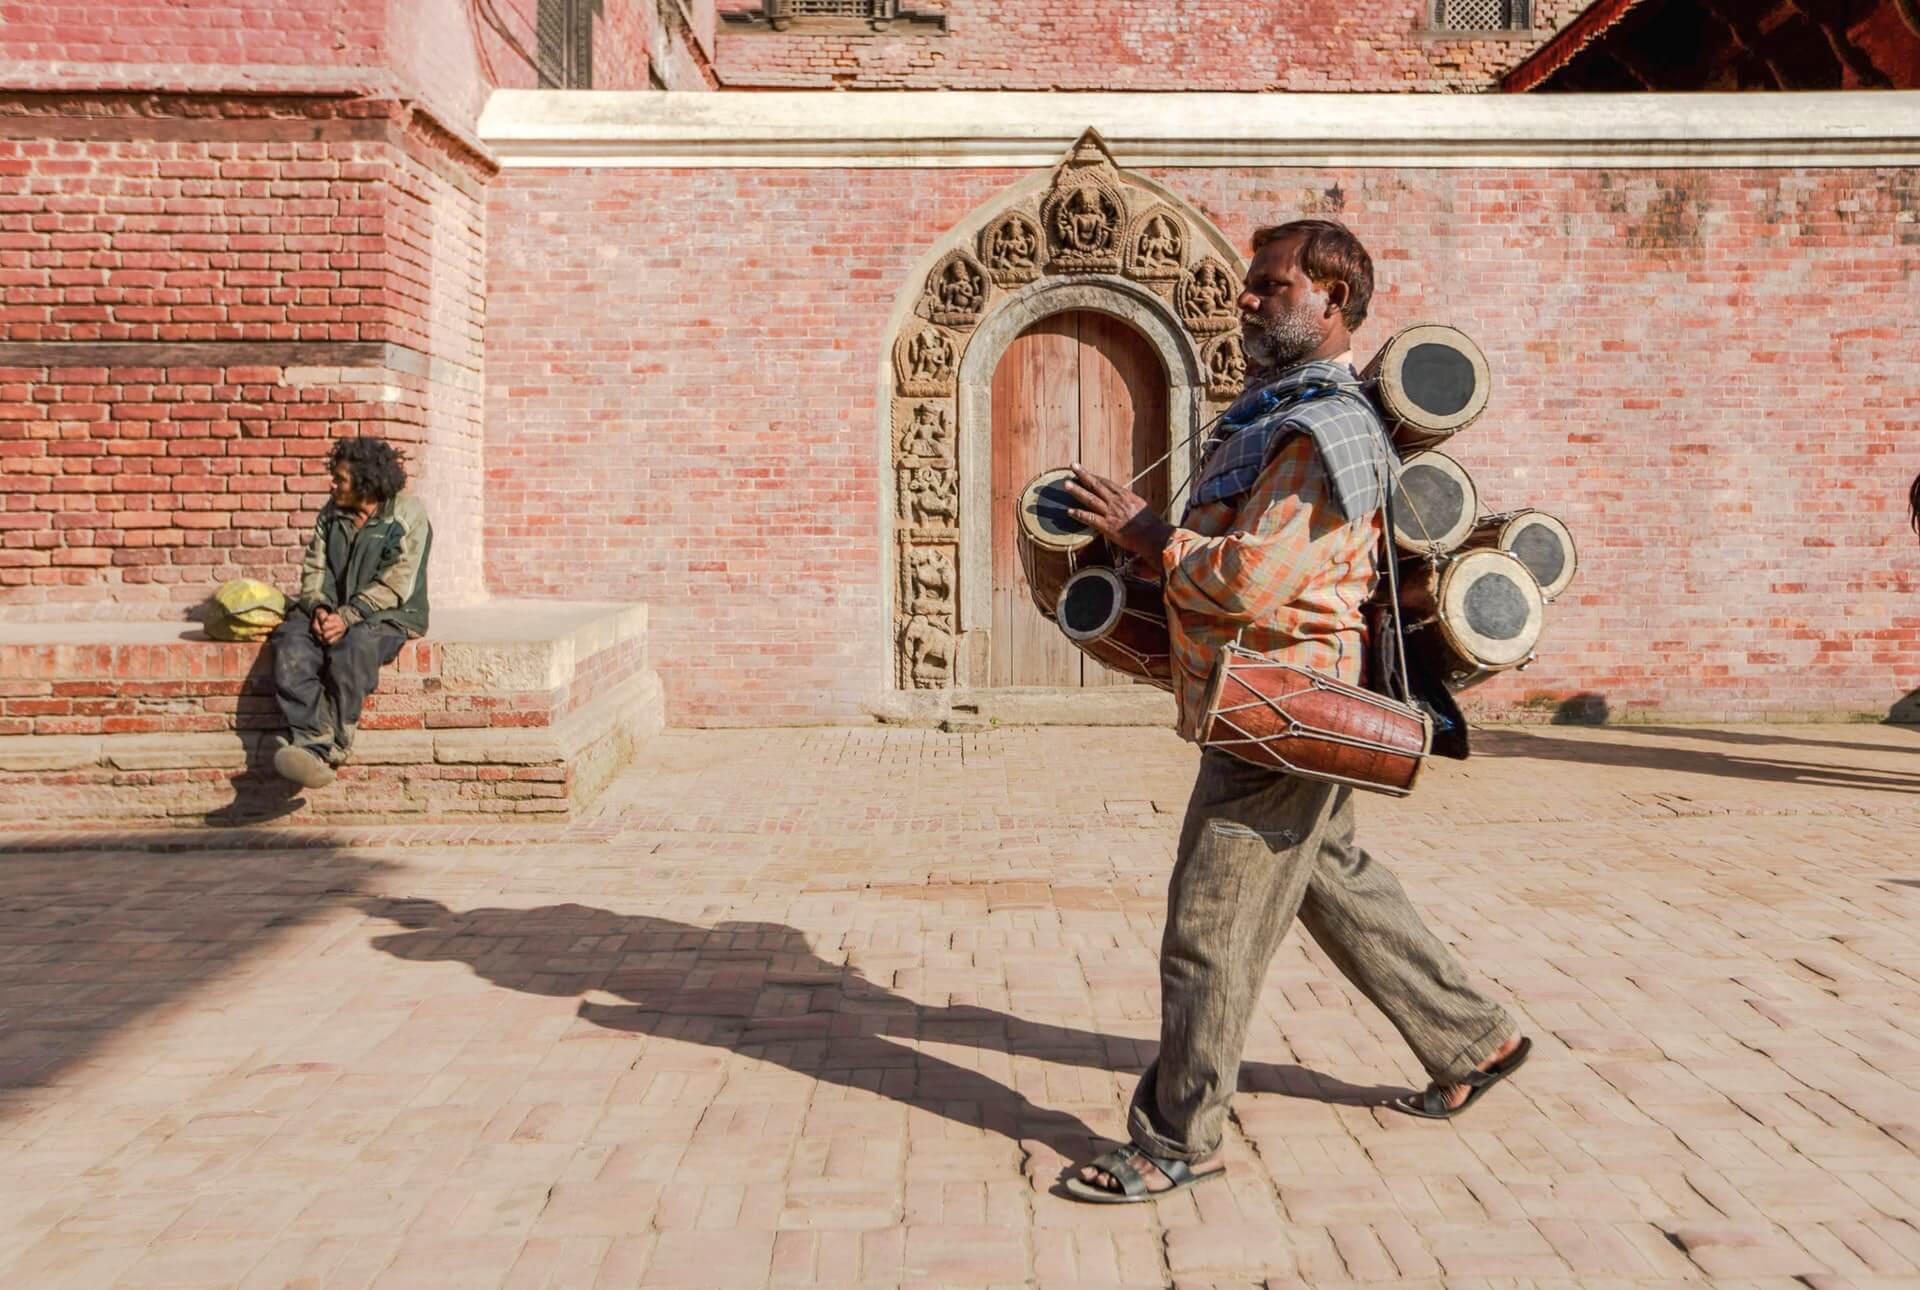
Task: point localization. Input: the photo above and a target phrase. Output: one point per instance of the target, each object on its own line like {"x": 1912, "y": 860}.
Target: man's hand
{"x": 1120, "y": 515}
{"x": 329, "y": 626}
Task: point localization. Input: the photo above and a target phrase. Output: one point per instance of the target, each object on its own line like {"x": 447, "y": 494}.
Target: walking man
{"x": 363, "y": 594}
{"x": 1277, "y": 550}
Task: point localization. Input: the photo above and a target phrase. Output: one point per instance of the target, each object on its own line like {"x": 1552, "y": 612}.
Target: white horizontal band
{"x": 916, "y": 128}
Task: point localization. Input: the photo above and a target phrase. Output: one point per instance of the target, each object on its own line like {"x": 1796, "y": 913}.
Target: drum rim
{"x": 1470, "y": 511}
{"x": 1534, "y": 515}
{"x": 1386, "y": 364}
{"x": 1051, "y": 541}
{"x": 1111, "y": 621}
{"x": 1536, "y": 616}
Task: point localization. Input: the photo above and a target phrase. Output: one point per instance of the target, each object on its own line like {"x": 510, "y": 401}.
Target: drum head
{"x": 1433, "y": 380}
{"x": 1544, "y": 545}
{"x": 1043, "y": 513}
{"x": 1491, "y": 610}
{"x": 1090, "y": 604}
{"x": 1434, "y": 506}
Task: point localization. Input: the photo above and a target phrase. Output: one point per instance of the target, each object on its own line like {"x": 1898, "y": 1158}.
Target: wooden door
{"x": 1074, "y": 387}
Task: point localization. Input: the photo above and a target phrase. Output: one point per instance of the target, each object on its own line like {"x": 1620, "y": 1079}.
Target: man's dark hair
{"x": 1329, "y": 253}
{"x": 373, "y": 464}
{"x": 1913, "y": 504}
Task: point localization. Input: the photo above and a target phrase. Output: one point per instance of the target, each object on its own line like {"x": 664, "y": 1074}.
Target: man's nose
{"x": 1248, "y": 303}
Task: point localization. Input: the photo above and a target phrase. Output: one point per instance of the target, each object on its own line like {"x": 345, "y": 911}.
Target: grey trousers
{"x": 321, "y": 688}
{"x": 1256, "y": 849}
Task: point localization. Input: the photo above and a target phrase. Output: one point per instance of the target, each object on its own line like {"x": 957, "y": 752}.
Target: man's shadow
{"x": 759, "y": 990}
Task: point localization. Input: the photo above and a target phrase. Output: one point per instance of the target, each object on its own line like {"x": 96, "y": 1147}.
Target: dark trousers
{"x": 321, "y": 688}
{"x": 1257, "y": 851}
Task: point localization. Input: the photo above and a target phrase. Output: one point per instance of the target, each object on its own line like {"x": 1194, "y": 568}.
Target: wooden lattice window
{"x": 1481, "y": 15}
{"x": 565, "y": 43}
{"x": 780, "y": 13}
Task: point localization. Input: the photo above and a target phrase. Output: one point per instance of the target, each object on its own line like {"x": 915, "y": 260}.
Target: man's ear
{"x": 1337, "y": 294}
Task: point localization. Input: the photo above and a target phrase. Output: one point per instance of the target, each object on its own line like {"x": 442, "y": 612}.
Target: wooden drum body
{"x": 1053, "y": 547}
{"x": 1434, "y": 506}
{"x": 1119, "y": 622}
{"x": 1429, "y": 381}
{"x": 1289, "y": 718}
{"x": 1537, "y": 540}
{"x": 1471, "y": 616}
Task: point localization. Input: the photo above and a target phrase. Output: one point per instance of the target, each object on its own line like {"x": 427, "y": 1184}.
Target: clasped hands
{"x": 328, "y": 628}
{"x": 1118, "y": 514}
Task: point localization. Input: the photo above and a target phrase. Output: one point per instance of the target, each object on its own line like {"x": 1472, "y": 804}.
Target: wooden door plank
{"x": 1034, "y": 416}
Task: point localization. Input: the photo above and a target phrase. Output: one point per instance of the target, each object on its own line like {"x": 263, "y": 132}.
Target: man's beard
{"x": 1275, "y": 346}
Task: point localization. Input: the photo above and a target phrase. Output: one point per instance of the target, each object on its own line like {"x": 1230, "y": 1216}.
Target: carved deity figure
{"x": 929, "y": 437}
{"x": 1227, "y": 366}
{"x": 1159, "y": 244}
{"x": 930, "y": 358}
{"x": 934, "y": 497}
{"x": 929, "y": 648}
{"x": 1013, "y": 246}
{"x": 1084, "y": 222}
{"x": 1210, "y": 293}
{"x": 932, "y": 571}
{"x": 959, "y": 289}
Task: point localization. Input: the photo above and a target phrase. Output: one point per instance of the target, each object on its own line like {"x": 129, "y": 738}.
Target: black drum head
{"x": 1496, "y": 608}
{"x": 1540, "y": 549}
{"x": 1086, "y": 605}
{"x": 1438, "y": 379}
{"x": 1049, "y": 509}
{"x": 1428, "y": 503}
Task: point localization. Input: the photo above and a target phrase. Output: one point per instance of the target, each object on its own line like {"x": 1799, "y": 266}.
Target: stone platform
{"x": 507, "y": 709}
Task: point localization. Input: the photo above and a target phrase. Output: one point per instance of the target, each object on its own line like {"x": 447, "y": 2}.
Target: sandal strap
{"x": 1118, "y": 1164}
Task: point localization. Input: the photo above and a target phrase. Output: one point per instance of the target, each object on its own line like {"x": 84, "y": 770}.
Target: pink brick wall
{"x": 205, "y": 33}
{"x": 1140, "y": 45}
{"x": 1708, "y": 374}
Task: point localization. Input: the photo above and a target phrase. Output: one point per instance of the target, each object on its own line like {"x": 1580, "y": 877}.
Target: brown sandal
{"x": 1430, "y": 1103}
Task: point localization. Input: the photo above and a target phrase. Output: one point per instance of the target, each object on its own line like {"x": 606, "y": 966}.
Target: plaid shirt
{"x": 1280, "y": 566}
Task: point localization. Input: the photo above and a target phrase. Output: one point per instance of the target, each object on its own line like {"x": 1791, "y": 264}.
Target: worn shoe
{"x": 303, "y": 766}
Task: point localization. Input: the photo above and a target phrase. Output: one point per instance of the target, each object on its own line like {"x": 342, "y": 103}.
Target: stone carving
{"x": 1226, "y": 367}
{"x": 956, "y": 291}
{"x": 1084, "y": 214}
{"x": 925, "y": 361}
{"x": 930, "y": 580}
{"x": 1011, "y": 248}
{"x": 1157, "y": 246}
{"x": 930, "y": 497}
{"x": 926, "y": 647}
{"x": 928, "y": 439}
{"x": 1205, "y": 299}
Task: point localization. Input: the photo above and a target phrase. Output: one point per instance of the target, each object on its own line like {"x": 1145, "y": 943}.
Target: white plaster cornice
{"x": 920, "y": 129}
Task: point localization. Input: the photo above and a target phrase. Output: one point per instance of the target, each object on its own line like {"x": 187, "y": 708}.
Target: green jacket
{"x": 376, "y": 573}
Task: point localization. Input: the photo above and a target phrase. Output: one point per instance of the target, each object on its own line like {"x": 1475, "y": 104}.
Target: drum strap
{"x": 1393, "y": 596}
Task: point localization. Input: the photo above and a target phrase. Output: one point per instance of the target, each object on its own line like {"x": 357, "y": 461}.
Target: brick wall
{"x": 1708, "y": 374}
{"x": 1139, "y": 45}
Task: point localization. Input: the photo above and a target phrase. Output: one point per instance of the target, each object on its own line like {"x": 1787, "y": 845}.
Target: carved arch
{"x": 1065, "y": 239}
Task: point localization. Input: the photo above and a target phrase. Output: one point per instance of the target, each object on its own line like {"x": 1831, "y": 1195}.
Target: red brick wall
{"x": 1139, "y": 45}
{"x": 1708, "y": 374}
{"x": 204, "y": 33}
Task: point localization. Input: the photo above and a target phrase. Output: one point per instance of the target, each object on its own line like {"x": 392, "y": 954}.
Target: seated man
{"x": 363, "y": 594}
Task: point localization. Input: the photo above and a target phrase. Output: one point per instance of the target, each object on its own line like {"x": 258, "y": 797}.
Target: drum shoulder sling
{"x": 1294, "y": 719}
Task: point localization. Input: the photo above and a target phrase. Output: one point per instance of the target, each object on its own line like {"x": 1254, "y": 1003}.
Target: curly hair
{"x": 374, "y": 465}
{"x": 1330, "y": 253}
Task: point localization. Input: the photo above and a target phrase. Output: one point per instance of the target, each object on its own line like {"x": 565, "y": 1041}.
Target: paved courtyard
{"x": 832, "y": 1008}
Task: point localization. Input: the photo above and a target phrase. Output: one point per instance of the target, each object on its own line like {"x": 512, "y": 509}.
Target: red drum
{"x": 1053, "y": 547}
{"x": 1119, "y": 622}
{"x": 1290, "y": 718}
{"x": 1429, "y": 381}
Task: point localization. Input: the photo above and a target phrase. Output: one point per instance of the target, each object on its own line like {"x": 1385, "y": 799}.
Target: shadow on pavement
{"x": 100, "y": 941}
{"x": 759, "y": 990}
{"x": 1509, "y": 742}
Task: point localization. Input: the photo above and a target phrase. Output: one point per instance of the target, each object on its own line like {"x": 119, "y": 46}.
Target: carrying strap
{"x": 1393, "y": 590}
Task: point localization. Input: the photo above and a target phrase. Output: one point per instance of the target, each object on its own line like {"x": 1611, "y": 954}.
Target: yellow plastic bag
{"x": 245, "y": 609}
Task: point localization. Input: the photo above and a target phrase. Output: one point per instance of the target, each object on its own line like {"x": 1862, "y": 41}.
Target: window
{"x": 564, "y": 57}
{"x": 1481, "y": 15}
{"x": 826, "y": 17}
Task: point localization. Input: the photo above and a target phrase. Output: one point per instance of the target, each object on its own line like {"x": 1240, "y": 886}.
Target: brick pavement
{"x": 831, "y": 1008}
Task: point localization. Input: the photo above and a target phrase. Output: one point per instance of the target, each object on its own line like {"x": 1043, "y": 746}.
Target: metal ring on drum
{"x": 1429, "y": 381}
{"x": 1538, "y": 540}
{"x": 1434, "y": 505}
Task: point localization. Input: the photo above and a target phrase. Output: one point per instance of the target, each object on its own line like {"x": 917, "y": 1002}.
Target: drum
{"x": 1434, "y": 505}
{"x": 1537, "y": 540}
{"x": 1119, "y": 622}
{"x": 1053, "y": 547}
{"x": 1470, "y": 616}
{"x": 1290, "y": 718}
{"x": 1429, "y": 381}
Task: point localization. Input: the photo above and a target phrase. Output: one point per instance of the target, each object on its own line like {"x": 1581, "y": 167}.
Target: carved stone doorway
{"x": 1076, "y": 386}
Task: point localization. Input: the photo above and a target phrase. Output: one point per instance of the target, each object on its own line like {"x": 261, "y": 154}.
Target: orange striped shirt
{"x": 1280, "y": 566}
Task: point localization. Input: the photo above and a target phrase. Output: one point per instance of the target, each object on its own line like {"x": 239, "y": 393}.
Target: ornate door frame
{"x": 1087, "y": 235}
